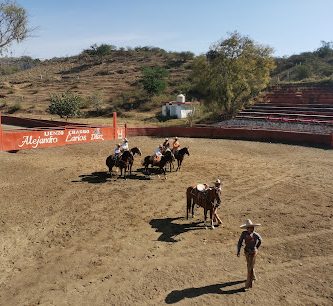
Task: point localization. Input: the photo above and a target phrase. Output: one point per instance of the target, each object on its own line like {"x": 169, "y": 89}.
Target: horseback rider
{"x": 175, "y": 145}
{"x": 166, "y": 144}
{"x": 124, "y": 145}
{"x": 157, "y": 154}
{"x": 117, "y": 152}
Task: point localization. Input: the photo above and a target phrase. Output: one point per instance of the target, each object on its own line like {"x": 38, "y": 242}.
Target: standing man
{"x": 252, "y": 244}
{"x": 218, "y": 187}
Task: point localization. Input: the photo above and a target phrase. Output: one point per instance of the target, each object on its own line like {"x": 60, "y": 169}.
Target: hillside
{"x": 112, "y": 80}
{"x": 306, "y": 66}
{"x": 108, "y": 79}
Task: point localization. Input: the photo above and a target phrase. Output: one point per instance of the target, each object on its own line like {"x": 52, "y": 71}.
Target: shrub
{"x": 65, "y": 105}
{"x": 153, "y": 80}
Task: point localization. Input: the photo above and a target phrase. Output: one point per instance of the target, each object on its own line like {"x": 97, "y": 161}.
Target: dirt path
{"x": 70, "y": 235}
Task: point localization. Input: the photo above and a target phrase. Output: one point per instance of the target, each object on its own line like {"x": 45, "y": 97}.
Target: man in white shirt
{"x": 124, "y": 145}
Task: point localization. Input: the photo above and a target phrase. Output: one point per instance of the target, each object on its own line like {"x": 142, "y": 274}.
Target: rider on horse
{"x": 175, "y": 145}
{"x": 156, "y": 157}
{"x": 124, "y": 145}
{"x": 166, "y": 144}
{"x": 117, "y": 152}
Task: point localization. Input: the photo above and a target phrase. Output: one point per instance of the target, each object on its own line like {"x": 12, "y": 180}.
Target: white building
{"x": 179, "y": 108}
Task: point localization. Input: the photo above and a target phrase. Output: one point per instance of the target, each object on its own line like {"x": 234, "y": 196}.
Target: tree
{"x": 13, "y": 24}
{"x": 153, "y": 80}
{"x": 233, "y": 72}
{"x": 65, "y": 105}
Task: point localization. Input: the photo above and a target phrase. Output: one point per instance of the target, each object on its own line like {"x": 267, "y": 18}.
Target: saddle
{"x": 201, "y": 187}
{"x": 155, "y": 160}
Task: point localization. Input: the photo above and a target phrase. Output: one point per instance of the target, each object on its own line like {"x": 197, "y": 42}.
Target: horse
{"x": 179, "y": 155}
{"x": 172, "y": 159}
{"x": 134, "y": 151}
{"x": 124, "y": 163}
{"x": 166, "y": 158}
{"x": 112, "y": 162}
{"x": 208, "y": 199}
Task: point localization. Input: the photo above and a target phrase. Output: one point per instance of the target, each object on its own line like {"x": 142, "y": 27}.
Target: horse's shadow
{"x": 169, "y": 230}
{"x": 94, "y": 177}
{"x": 178, "y": 295}
{"x": 151, "y": 170}
{"x": 103, "y": 177}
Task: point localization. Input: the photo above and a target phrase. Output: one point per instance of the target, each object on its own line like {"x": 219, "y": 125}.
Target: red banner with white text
{"x": 44, "y": 138}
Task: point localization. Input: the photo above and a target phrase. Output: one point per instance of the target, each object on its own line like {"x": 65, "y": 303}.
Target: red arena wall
{"x": 291, "y": 137}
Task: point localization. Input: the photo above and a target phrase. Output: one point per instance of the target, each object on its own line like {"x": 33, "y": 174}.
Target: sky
{"x": 67, "y": 27}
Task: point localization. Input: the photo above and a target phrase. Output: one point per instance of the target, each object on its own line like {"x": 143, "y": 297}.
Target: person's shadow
{"x": 170, "y": 229}
{"x": 178, "y": 295}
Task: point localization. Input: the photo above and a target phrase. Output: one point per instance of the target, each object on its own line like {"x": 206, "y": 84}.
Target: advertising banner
{"x": 33, "y": 139}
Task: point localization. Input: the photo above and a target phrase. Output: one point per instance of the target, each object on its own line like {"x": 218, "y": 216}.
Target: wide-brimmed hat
{"x": 125, "y": 139}
{"x": 249, "y": 223}
{"x": 217, "y": 182}
{"x": 166, "y": 139}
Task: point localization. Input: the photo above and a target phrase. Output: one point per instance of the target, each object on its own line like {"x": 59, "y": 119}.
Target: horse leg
{"x": 205, "y": 217}
{"x": 188, "y": 206}
{"x": 178, "y": 165}
{"x": 211, "y": 218}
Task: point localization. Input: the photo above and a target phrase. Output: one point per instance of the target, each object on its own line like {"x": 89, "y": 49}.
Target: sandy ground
{"x": 70, "y": 235}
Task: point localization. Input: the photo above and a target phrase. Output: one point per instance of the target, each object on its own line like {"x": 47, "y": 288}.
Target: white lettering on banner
{"x": 77, "y": 132}
{"x": 75, "y": 135}
{"x": 36, "y": 141}
{"x": 52, "y": 133}
{"x": 76, "y": 138}
{"x": 97, "y": 135}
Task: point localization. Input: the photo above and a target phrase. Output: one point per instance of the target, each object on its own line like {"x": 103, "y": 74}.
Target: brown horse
{"x": 166, "y": 158}
{"x": 128, "y": 160}
{"x": 208, "y": 199}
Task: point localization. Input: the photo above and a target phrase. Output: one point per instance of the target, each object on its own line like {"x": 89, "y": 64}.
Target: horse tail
{"x": 188, "y": 200}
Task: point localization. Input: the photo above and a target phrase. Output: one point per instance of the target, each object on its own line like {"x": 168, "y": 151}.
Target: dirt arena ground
{"x": 70, "y": 235}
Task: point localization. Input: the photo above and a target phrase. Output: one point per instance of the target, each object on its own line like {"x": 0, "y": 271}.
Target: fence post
{"x": 125, "y": 130}
{"x": 114, "y": 125}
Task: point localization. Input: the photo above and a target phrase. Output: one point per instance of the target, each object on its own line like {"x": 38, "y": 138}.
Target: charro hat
{"x": 125, "y": 139}
{"x": 249, "y": 223}
{"x": 218, "y": 181}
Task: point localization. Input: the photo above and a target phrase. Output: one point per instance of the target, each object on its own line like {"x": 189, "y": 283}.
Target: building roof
{"x": 181, "y": 103}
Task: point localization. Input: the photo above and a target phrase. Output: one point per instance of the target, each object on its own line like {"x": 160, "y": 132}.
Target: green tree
{"x": 13, "y": 24}
{"x": 153, "y": 80}
{"x": 65, "y": 105}
{"x": 233, "y": 72}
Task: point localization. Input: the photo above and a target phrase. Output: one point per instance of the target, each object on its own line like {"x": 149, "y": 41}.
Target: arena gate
{"x": 60, "y": 134}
